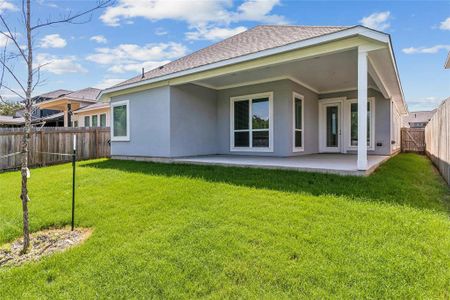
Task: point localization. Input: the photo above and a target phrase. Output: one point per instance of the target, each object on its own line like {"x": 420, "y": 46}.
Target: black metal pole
{"x": 74, "y": 158}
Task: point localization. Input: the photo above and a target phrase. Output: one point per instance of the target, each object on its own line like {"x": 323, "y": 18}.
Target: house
{"x": 272, "y": 96}
{"x": 93, "y": 115}
{"x": 418, "y": 119}
{"x": 77, "y": 108}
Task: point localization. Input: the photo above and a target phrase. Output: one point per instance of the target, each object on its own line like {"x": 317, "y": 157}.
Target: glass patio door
{"x": 331, "y": 129}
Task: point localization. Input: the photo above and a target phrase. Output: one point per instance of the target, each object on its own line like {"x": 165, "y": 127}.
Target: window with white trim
{"x": 251, "y": 122}
{"x": 103, "y": 120}
{"x": 120, "y": 125}
{"x": 297, "y": 110}
{"x": 94, "y": 121}
{"x": 87, "y": 121}
{"x": 354, "y": 123}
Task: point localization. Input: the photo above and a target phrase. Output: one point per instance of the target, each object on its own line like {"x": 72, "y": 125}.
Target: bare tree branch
{"x": 69, "y": 18}
{"x": 13, "y": 75}
{"x": 12, "y": 37}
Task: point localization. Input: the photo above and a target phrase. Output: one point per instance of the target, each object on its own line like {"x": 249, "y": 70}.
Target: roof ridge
{"x": 309, "y": 26}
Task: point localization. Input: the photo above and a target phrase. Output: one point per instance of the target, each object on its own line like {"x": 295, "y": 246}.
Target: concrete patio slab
{"x": 342, "y": 164}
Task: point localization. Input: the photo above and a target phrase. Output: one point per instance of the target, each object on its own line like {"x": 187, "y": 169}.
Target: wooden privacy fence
{"x": 413, "y": 140}
{"x": 46, "y": 145}
{"x": 437, "y": 136}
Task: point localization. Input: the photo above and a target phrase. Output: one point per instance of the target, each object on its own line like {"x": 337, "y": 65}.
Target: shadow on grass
{"x": 407, "y": 179}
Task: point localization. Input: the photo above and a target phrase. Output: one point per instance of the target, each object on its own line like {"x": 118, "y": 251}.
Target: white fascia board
{"x": 345, "y": 33}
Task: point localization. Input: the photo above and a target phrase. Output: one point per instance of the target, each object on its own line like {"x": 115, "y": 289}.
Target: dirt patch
{"x": 43, "y": 243}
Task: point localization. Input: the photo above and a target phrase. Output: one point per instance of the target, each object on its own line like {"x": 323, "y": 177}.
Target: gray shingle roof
{"x": 89, "y": 94}
{"x": 251, "y": 41}
{"x": 418, "y": 117}
{"x": 55, "y": 94}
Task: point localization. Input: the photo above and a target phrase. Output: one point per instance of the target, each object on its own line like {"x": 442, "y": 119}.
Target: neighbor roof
{"x": 55, "y": 94}
{"x": 89, "y": 94}
{"x": 251, "y": 41}
{"x": 9, "y": 120}
{"x": 419, "y": 117}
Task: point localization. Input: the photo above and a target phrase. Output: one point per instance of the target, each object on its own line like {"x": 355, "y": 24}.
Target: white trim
{"x": 323, "y": 103}
{"x": 347, "y": 124}
{"x": 120, "y": 138}
{"x": 251, "y": 130}
{"x": 296, "y": 95}
{"x": 345, "y": 33}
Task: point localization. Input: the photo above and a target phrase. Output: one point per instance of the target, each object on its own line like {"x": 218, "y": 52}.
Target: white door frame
{"x": 323, "y": 104}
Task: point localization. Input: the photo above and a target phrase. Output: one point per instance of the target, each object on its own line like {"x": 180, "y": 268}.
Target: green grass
{"x": 179, "y": 231}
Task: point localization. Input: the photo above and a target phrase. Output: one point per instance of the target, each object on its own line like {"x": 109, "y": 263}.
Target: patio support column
{"x": 362, "y": 109}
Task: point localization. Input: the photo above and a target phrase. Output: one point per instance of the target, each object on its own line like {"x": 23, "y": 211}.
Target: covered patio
{"x": 342, "y": 164}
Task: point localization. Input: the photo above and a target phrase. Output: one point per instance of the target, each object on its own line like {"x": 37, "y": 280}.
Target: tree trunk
{"x": 26, "y": 136}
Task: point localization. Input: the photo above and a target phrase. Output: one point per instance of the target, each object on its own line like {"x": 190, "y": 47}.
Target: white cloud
{"x": 59, "y": 64}
{"x": 53, "y": 41}
{"x": 132, "y": 57}
{"x": 195, "y": 13}
{"x": 160, "y": 31}
{"x": 445, "y": 25}
{"x": 99, "y": 39}
{"x": 258, "y": 10}
{"x": 426, "y": 103}
{"x": 377, "y": 21}
{"x": 6, "y": 5}
{"x": 426, "y": 50}
{"x": 108, "y": 82}
{"x": 214, "y": 33}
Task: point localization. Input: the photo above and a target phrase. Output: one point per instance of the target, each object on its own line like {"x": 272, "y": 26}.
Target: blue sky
{"x": 118, "y": 41}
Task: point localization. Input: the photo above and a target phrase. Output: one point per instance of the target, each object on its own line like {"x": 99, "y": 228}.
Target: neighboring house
{"x": 418, "y": 119}
{"x": 94, "y": 115}
{"x": 273, "y": 91}
{"x": 78, "y": 107}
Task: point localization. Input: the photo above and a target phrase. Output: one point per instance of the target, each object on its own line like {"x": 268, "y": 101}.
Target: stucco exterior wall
{"x": 149, "y": 124}
{"x": 193, "y": 120}
{"x": 382, "y": 119}
{"x": 189, "y": 120}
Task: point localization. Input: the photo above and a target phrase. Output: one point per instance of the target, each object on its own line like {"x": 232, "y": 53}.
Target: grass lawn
{"x": 181, "y": 231}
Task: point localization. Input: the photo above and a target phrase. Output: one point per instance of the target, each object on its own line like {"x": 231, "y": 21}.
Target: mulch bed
{"x": 43, "y": 243}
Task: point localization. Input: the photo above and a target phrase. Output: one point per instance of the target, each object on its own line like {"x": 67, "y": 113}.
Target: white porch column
{"x": 362, "y": 109}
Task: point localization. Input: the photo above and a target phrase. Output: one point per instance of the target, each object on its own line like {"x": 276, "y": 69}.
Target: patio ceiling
{"x": 322, "y": 74}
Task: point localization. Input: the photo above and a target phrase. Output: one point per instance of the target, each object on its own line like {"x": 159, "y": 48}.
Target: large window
{"x": 103, "y": 120}
{"x": 95, "y": 121}
{"x": 354, "y": 123}
{"x": 251, "y": 123}
{"x": 120, "y": 121}
{"x": 298, "y": 122}
{"x": 87, "y": 121}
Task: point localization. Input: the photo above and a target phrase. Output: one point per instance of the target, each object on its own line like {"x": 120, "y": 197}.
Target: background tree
{"x": 21, "y": 55}
{"x": 9, "y": 108}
